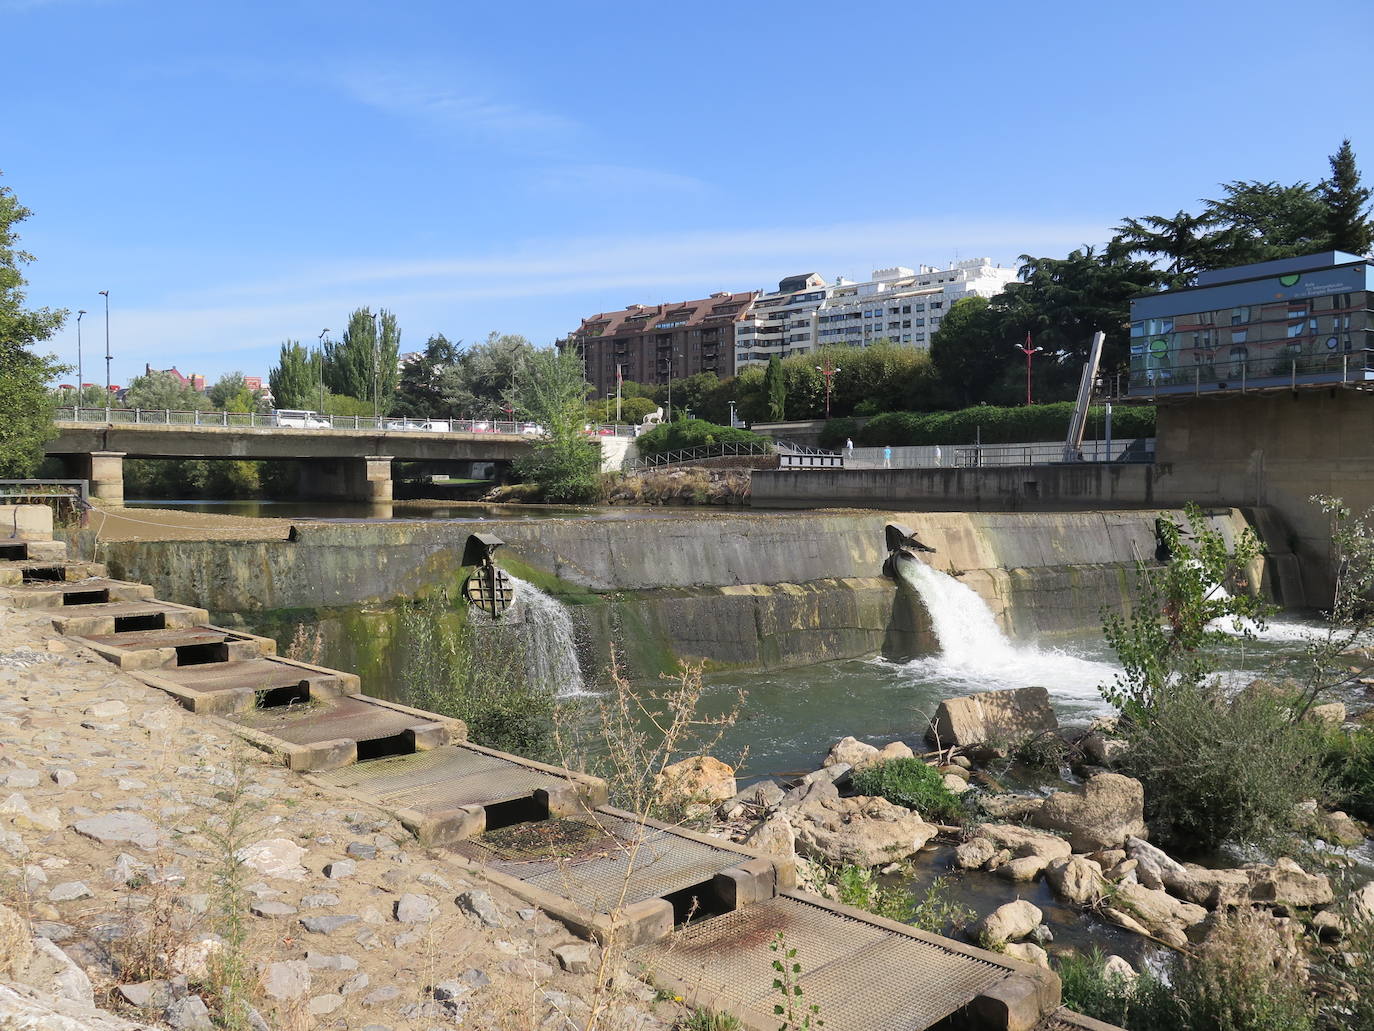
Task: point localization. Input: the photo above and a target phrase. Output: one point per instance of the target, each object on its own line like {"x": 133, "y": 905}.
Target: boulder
{"x": 1154, "y": 868}
{"x": 274, "y": 857}
{"x": 1026, "y": 868}
{"x": 24, "y": 1007}
{"x": 1008, "y": 923}
{"x": 997, "y": 718}
{"x": 974, "y": 853}
{"x": 52, "y": 971}
{"x": 766, "y": 794}
{"x": 1109, "y": 809}
{"x": 865, "y": 831}
{"x": 1136, "y": 908}
{"x": 1340, "y": 829}
{"x": 1362, "y": 903}
{"x": 1027, "y": 952}
{"x": 896, "y": 750}
{"x": 1077, "y": 879}
{"x": 1332, "y": 713}
{"x": 1023, "y": 841}
{"x": 1116, "y": 968}
{"x": 1100, "y": 749}
{"x": 773, "y": 836}
{"x": 955, "y": 785}
{"x": 851, "y": 751}
{"x": 1287, "y": 884}
{"x": 700, "y": 779}
{"x": 1214, "y": 888}
{"x": 16, "y": 946}
{"x": 1009, "y": 807}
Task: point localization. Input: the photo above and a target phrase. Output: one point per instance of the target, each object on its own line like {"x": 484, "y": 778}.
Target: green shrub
{"x": 708, "y": 1020}
{"x": 1219, "y": 769}
{"x": 1349, "y": 760}
{"x": 994, "y": 425}
{"x": 1090, "y": 990}
{"x": 911, "y": 783}
{"x": 837, "y": 431}
{"x": 687, "y": 433}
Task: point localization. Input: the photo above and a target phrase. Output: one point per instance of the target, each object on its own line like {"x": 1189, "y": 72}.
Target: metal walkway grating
{"x": 440, "y": 779}
{"x": 864, "y": 977}
{"x": 612, "y": 862}
{"x": 349, "y": 718}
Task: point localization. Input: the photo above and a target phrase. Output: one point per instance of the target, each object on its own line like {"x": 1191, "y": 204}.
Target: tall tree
{"x": 553, "y": 393}
{"x": 1191, "y": 243}
{"x": 420, "y": 390}
{"x": 295, "y": 379}
{"x": 1347, "y": 204}
{"x": 230, "y": 393}
{"x": 160, "y": 389}
{"x": 1266, "y": 221}
{"x": 775, "y": 389}
{"x": 484, "y": 381}
{"x": 970, "y": 349}
{"x": 362, "y": 364}
{"x": 26, "y": 404}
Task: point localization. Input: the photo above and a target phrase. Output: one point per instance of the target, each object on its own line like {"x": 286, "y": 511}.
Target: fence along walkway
{"x": 698, "y": 912}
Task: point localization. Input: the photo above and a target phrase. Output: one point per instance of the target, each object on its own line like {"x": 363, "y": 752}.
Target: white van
{"x": 300, "y": 419}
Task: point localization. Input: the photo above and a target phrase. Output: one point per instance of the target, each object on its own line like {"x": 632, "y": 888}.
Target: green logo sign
{"x": 1159, "y": 347}
{"x": 1290, "y": 280}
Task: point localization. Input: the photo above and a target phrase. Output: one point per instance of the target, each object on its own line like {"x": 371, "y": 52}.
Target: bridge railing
{"x": 271, "y": 421}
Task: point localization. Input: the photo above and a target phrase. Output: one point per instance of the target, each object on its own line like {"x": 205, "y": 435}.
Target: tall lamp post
{"x": 319, "y": 367}
{"x": 79, "y": 376}
{"x": 376, "y": 358}
{"x": 1030, "y": 352}
{"x": 106, "y": 294}
{"x": 828, "y": 371}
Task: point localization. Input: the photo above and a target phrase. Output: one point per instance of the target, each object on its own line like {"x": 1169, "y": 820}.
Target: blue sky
{"x": 239, "y": 174}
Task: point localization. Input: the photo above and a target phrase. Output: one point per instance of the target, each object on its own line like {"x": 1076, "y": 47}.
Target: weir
{"x": 700, "y": 911}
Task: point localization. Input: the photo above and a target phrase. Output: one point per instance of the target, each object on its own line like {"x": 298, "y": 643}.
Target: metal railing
{"x": 68, "y": 498}
{"x": 1093, "y": 451}
{"x": 272, "y": 421}
{"x": 700, "y": 453}
{"x": 1264, "y": 372}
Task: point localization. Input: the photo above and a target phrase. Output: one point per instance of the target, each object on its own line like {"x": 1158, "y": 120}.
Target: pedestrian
{"x": 887, "y": 456}
{"x": 937, "y": 456}
{"x": 848, "y": 447}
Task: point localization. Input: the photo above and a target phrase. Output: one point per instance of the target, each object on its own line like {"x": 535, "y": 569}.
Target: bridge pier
{"x": 105, "y": 470}
{"x": 348, "y": 479}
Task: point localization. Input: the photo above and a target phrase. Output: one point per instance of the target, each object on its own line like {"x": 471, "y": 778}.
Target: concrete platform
{"x": 27, "y": 570}
{"x": 253, "y": 682}
{"x": 865, "y": 973}
{"x": 117, "y": 617}
{"x": 54, "y": 594}
{"x": 448, "y": 793}
{"x": 17, "y": 550}
{"x": 608, "y": 875}
{"x": 328, "y": 733}
{"x": 161, "y": 649}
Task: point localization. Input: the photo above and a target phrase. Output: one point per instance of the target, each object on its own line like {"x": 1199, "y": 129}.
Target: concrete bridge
{"x": 339, "y": 464}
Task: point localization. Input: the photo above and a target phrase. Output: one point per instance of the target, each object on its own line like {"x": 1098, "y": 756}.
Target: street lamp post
{"x": 828, "y": 371}
{"x": 732, "y": 414}
{"x": 376, "y": 358}
{"x": 106, "y": 294}
{"x": 319, "y": 367}
{"x": 79, "y": 376}
{"x": 1030, "y": 352}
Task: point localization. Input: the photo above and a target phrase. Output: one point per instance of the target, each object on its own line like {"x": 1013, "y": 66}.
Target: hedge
{"x": 994, "y": 425}
{"x": 687, "y": 433}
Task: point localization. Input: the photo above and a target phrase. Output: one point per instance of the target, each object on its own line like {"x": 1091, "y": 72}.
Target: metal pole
{"x": 79, "y": 375}
{"x": 376, "y": 345}
{"x": 1107, "y": 430}
{"x": 319, "y": 366}
{"x": 106, "y": 294}
{"x": 618, "y": 377}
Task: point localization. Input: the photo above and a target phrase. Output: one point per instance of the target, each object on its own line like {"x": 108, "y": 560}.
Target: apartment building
{"x": 651, "y": 343}
{"x": 898, "y": 304}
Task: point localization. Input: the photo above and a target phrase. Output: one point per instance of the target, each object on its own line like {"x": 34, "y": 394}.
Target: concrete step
{"x": 247, "y": 681}
{"x": 15, "y": 550}
{"x": 863, "y": 972}
{"x": 327, "y": 733}
{"x": 447, "y": 794}
{"x": 55, "y": 594}
{"x": 23, "y": 571}
{"x": 162, "y": 649}
{"x": 118, "y": 617}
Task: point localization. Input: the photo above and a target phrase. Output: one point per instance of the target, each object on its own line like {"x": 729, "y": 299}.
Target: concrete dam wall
{"x": 737, "y": 589}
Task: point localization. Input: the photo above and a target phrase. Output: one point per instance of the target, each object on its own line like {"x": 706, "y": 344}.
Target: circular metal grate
{"x": 489, "y": 589}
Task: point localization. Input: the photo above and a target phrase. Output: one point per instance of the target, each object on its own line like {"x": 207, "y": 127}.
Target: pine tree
{"x": 360, "y": 364}
{"x": 775, "y": 389}
{"x": 1347, "y": 211}
{"x": 295, "y": 380}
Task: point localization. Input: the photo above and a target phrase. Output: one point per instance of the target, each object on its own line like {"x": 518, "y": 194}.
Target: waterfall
{"x": 550, "y": 645}
{"x": 976, "y": 655}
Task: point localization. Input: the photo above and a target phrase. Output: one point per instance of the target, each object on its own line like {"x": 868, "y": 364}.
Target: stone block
{"x": 998, "y": 718}
{"x": 26, "y": 522}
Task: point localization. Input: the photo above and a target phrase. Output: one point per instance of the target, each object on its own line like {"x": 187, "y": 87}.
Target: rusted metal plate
{"x": 440, "y": 779}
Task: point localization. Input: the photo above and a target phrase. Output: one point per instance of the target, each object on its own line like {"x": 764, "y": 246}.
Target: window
{"x": 1239, "y": 354}
{"x": 1239, "y": 336}
{"x": 906, "y": 309}
{"x": 936, "y": 304}
{"x": 1239, "y": 316}
{"x": 1295, "y": 329}
{"x": 1297, "y": 311}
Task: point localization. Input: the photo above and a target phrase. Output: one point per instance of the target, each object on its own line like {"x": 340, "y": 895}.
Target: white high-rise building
{"x": 899, "y": 304}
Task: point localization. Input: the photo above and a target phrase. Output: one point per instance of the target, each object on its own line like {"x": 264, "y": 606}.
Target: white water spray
{"x": 550, "y": 643}
{"x": 975, "y": 654}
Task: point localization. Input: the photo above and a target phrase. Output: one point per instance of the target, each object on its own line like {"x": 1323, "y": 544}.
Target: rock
{"x": 1027, "y": 952}
{"x": 1000, "y": 717}
{"x": 274, "y": 857}
{"x": 24, "y": 817}
{"x": 355, "y": 984}
{"x": 323, "y": 961}
{"x": 1009, "y": 807}
{"x": 481, "y": 905}
{"x": 811, "y": 792}
{"x": 974, "y": 853}
{"x": 63, "y": 778}
{"x": 361, "y": 850}
{"x": 865, "y": 831}
{"x": 147, "y": 995}
{"x": 285, "y": 980}
{"x": 1362, "y": 903}
{"x": 1114, "y": 967}
{"x": 1339, "y": 829}
{"x": 1110, "y": 809}
{"x": 271, "y": 909}
{"x": 1214, "y": 888}
{"x": 1123, "y": 870}
{"x": 381, "y": 996}
{"x": 1023, "y": 841}
{"x": 1077, "y": 879}
{"x": 117, "y": 828}
{"x": 193, "y": 958}
{"x": 52, "y": 972}
{"x": 106, "y": 710}
{"x": 189, "y": 1014}
{"x": 1137, "y": 908}
{"x": 1102, "y": 750}
{"x": 18, "y": 946}
{"x": 322, "y": 1005}
{"x": 20, "y": 778}
{"x": 327, "y": 924}
{"x": 416, "y": 909}
{"x": 1287, "y": 884}
{"x": 852, "y": 752}
{"x": 26, "y": 1008}
{"x": 1008, "y": 923}
{"x": 698, "y": 780}
{"x": 69, "y": 891}
{"x": 575, "y": 958}
{"x": 1328, "y": 925}
{"x": 1154, "y": 868}
{"x": 760, "y": 797}
{"x": 1026, "y": 868}
{"x": 895, "y": 750}
{"x": 1332, "y": 713}
{"x": 320, "y": 900}
{"x": 955, "y": 785}
{"x": 773, "y": 836}
{"x": 340, "y": 869}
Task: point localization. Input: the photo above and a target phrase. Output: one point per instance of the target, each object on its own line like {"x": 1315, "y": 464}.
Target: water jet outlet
{"x": 901, "y": 540}
{"x": 487, "y": 587}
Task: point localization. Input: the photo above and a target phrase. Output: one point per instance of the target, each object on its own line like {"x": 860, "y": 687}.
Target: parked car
{"x": 403, "y": 424}
{"x": 299, "y": 419}
{"x": 532, "y": 429}
{"x": 436, "y": 426}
